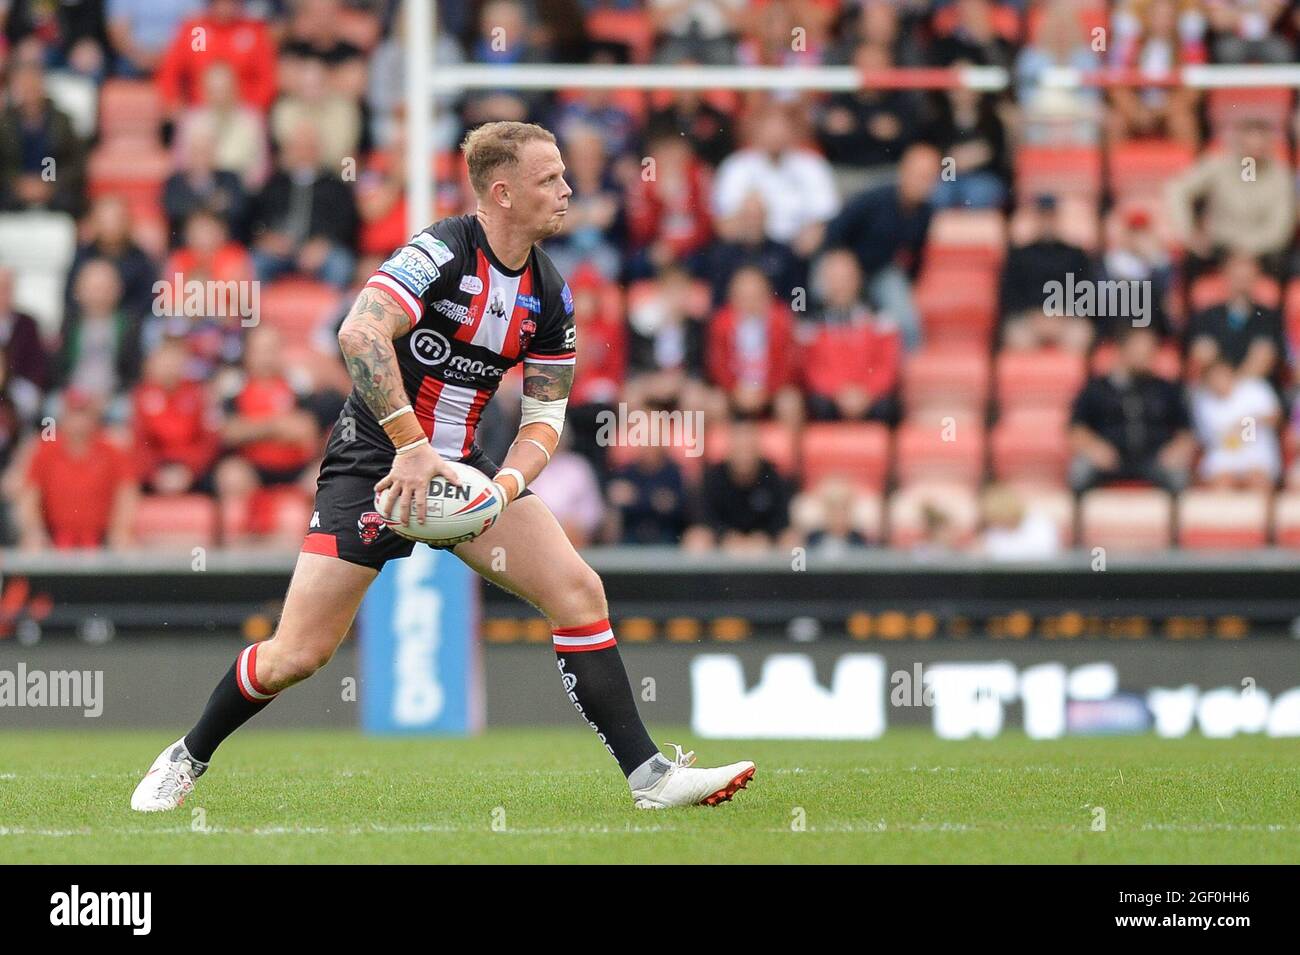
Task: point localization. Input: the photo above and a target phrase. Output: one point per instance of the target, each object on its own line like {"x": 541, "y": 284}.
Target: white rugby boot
{"x": 681, "y": 784}
{"x": 169, "y": 780}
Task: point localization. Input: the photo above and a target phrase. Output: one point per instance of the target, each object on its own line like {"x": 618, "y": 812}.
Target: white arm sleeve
{"x": 547, "y": 412}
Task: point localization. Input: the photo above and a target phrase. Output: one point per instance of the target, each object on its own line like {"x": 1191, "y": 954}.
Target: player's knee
{"x": 293, "y": 665}
{"x": 579, "y": 599}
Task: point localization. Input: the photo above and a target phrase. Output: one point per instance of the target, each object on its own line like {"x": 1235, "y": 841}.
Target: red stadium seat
{"x": 934, "y": 450}
{"x": 130, "y": 109}
{"x": 1139, "y": 168}
{"x": 1058, "y": 171}
{"x": 297, "y": 307}
{"x": 1047, "y": 378}
{"x": 132, "y": 169}
{"x": 1225, "y": 106}
{"x": 1168, "y": 362}
{"x": 858, "y": 451}
{"x": 175, "y": 522}
{"x": 974, "y": 239}
{"x": 1222, "y": 520}
{"x": 775, "y": 441}
{"x": 946, "y": 381}
{"x": 282, "y": 512}
{"x": 1126, "y": 520}
{"x": 1286, "y": 519}
{"x": 956, "y": 504}
{"x": 1031, "y": 445}
{"x": 957, "y": 306}
{"x": 1212, "y": 289}
{"x": 629, "y": 27}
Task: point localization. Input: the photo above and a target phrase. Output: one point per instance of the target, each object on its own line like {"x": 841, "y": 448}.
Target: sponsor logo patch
{"x": 530, "y": 302}
{"x": 453, "y": 310}
{"x": 471, "y": 283}
{"x": 567, "y": 298}
{"x": 430, "y": 347}
{"x": 412, "y": 269}
{"x": 436, "y": 248}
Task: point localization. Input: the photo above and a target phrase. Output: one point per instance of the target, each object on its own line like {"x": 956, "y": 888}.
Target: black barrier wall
{"x": 828, "y": 688}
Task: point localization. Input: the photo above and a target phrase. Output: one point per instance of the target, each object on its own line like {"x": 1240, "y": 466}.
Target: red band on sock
{"x": 246, "y": 677}
{"x": 589, "y": 636}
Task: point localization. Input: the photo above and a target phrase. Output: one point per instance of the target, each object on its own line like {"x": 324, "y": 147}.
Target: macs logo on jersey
{"x": 412, "y": 269}
{"x": 430, "y": 347}
{"x": 530, "y": 302}
{"x": 421, "y": 669}
{"x": 471, "y": 284}
{"x": 436, "y": 249}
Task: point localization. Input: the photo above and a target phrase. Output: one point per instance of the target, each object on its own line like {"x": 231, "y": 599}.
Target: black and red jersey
{"x": 472, "y": 319}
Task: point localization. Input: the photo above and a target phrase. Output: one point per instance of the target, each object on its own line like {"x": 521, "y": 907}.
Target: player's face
{"x": 542, "y": 189}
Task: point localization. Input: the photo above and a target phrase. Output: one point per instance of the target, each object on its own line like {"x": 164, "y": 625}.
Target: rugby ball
{"x": 455, "y": 511}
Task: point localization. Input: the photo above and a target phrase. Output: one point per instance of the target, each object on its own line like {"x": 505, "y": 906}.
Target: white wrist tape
{"x": 395, "y": 415}
{"x": 547, "y": 412}
{"x": 539, "y": 444}
{"x": 517, "y": 475}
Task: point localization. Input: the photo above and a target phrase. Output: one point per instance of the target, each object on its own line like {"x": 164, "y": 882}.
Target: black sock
{"x": 235, "y": 701}
{"x": 596, "y": 682}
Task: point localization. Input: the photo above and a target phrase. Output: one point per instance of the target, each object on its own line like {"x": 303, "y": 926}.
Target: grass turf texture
{"x": 342, "y": 797}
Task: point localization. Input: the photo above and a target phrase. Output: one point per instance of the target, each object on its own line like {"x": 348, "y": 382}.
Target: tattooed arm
{"x": 545, "y": 383}
{"x": 366, "y": 339}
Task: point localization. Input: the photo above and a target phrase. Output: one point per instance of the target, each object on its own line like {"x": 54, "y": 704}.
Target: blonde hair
{"x": 493, "y": 145}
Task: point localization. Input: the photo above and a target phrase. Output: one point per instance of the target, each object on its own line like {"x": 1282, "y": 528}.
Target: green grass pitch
{"x": 555, "y": 796}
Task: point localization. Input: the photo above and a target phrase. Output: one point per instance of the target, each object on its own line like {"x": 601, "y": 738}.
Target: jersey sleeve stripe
{"x": 410, "y": 304}
{"x": 567, "y": 358}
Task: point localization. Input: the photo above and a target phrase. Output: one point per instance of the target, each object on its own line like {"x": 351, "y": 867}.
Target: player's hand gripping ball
{"x": 455, "y": 512}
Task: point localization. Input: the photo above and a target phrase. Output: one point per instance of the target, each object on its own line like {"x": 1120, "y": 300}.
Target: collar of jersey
{"x": 492, "y": 256}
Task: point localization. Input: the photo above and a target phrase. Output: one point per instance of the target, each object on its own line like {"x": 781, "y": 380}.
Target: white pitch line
{"x": 879, "y": 827}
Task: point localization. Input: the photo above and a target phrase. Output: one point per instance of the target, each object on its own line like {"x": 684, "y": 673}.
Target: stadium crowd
{"x": 851, "y": 289}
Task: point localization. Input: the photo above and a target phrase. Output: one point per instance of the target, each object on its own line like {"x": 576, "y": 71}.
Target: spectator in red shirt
{"x": 850, "y": 356}
{"x": 268, "y": 427}
{"x": 668, "y": 212}
{"x": 223, "y": 33}
{"x": 751, "y": 350}
{"x": 175, "y": 434}
{"x": 213, "y": 341}
{"x": 80, "y": 489}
